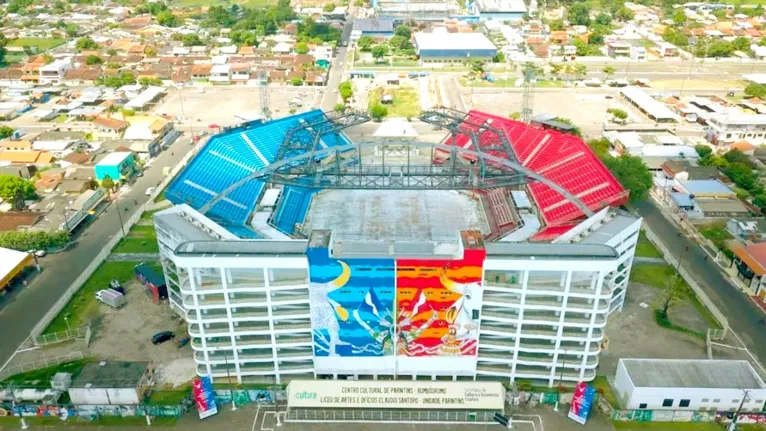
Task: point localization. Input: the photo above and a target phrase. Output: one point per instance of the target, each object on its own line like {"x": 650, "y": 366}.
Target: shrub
{"x": 33, "y": 240}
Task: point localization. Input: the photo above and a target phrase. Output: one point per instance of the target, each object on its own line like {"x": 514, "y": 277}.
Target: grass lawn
{"x": 147, "y": 215}
{"x": 42, "y": 43}
{"x": 41, "y": 378}
{"x": 140, "y": 239}
{"x": 605, "y": 390}
{"x": 60, "y": 118}
{"x": 652, "y": 275}
{"x": 716, "y": 232}
{"x": 549, "y": 84}
{"x": 169, "y": 397}
{"x": 406, "y": 101}
{"x": 83, "y": 306}
{"x": 644, "y": 248}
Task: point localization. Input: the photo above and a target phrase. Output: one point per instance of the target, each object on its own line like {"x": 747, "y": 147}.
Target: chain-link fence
{"x": 41, "y": 363}
{"x": 340, "y": 415}
{"x": 58, "y": 337}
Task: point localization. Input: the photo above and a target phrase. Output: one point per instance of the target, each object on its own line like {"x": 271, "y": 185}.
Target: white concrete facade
{"x": 249, "y": 316}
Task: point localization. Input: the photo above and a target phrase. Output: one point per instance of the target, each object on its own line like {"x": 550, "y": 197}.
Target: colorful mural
{"x": 351, "y": 305}
{"x": 438, "y": 305}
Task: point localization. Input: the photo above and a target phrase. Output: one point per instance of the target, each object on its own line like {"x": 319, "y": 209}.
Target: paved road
{"x": 742, "y": 313}
{"x": 21, "y": 310}
{"x": 331, "y": 98}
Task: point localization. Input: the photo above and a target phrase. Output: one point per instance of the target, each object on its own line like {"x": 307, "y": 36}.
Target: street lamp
{"x": 561, "y": 378}
{"x": 733, "y": 425}
{"x": 66, "y": 319}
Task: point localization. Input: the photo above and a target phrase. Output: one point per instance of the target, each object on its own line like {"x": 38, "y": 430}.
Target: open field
{"x": 140, "y": 239}
{"x": 42, "y": 43}
{"x": 644, "y": 248}
{"x": 406, "y": 101}
{"x": 83, "y": 306}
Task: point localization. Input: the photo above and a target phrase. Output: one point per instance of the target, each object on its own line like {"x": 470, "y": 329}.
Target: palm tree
{"x": 580, "y": 70}
{"x": 556, "y": 69}
{"x": 608, "y": 71}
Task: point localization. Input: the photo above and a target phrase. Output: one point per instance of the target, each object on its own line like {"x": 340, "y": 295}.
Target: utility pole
{"x": 228, "y": 377}
{"x": 119, "y": 216}
{"x": 733, "y": 425}
{"x": 561, "y": 379}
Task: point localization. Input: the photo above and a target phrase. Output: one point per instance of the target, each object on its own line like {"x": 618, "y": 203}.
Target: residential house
{"x": 220, "y": 74}
{"x": 74, "y": 159}
{"x": 147, "y": 134}
{"x": 201, "y": 72}
{"x": 55, "y": 72}
{"x": 15, "y": 145}
{"x": 58, "y": 143}
{"x": 240, "y": 73}
{"x": 26, "y": 157}
{"x": 619, "y": 49}
{"x": 105, "y": 128}
{"x": 82, "y": 76}
{"x": 559, "y": 37}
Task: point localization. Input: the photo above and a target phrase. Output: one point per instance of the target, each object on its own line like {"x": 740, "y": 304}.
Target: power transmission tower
{"x": 527, "y": 97}
{"x": 263, "y": 92}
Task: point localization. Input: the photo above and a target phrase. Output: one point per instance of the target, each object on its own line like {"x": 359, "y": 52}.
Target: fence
{"x": 701, "y": 295}
{"x": 107, "y": 249}
{"x": 58, "y": 337}
{"x": 398, "y": 416}
{"x": 43, "y": 363}
{"x": 685, "y": 416}
{"x": 93, "y": 412}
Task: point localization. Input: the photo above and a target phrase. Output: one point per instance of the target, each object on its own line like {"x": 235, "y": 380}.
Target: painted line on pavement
{"x": 255, "y": 419}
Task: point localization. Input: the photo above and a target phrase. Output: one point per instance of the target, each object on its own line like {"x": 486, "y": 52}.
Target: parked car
{"x": 161, "y": 337}
{"x": 150, "y": 190}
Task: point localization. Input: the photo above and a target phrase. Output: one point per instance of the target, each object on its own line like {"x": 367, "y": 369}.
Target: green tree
{"x": 600, "y": 147}
{"x": 515, "y": 115}
{"x": 111, "y": 52}
{"x": 33, "y": 240}
{"x": 556, "y": 69}
{"x": 756, "y": 90}
{"x": 675, "y": 37}
{"x": 576, "y": 131}
{"x": 624, "y": 14}
{"x": 301, "y": 48}
{"x": 632, "y": 173}
{"x": 557, "y": 25}
{"x": 679, "y": 17}
{"x": 703, "y": 151}
{"x": 403, "y": 31}
{"x": 93, "y": 60}
{"x": 5, "y": 131}
{"x": 340, "y": 107}
{"x": 603, "y": 19}
{"x": 108, "y": 184}
{"x": 167, "y": 19}
{"x": 86, "y": 43}
{"x": 618, "y": 113}
{"x": 378, "y": 111}
{"x": 71, "y": 30}
{"x": 296, "y": 82}
{"x": 675, "y": 290}
{"x": 150, "y": 81}
{"x": 346, "y": 91}
{"x": 580, "y": 70}
{"x": 15, "y": 190}
{"x": 191, "y": 40}
{"x": 379, "y": 51}
{"x": 399, "y": 42}
{"x": 737, "y": 156}
{"x": 608, "y": 71}
{"x": 329, "y": 7}
{"x": 579, "y": 14}
{"x": 499, "y": 58}
{"x": 364, "y": 43}
{"x": 48, "y": 59}
{"x": 741, "y": 44}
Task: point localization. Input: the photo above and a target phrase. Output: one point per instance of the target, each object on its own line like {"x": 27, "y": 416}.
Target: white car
{"x": 150, "y": 190}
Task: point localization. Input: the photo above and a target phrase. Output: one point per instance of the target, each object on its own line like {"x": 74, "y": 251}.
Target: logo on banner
{"x": 204, "y": 397}
{"x": 582, "y": 401}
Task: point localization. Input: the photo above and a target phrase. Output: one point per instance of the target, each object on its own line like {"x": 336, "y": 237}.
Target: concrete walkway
{"x": 133, "y": 257}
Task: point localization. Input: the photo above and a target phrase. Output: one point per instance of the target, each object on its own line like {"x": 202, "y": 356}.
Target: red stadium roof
{"x": 564, "y": 159}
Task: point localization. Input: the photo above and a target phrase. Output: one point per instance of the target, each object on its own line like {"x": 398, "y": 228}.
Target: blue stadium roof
{"x": 231, "y": 156}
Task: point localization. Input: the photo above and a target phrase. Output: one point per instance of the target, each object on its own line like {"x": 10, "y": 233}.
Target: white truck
{"x": 111, "y": 298}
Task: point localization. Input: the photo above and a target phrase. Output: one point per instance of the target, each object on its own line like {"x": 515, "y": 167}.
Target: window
{"x": 705, "y": 400}
{"x": 735, "y": 401}
{"x": 667, "y": 402}
{"x": 683, "y": 403}
{"x": 716, "y": 400}
{"x": 642, "y": 406}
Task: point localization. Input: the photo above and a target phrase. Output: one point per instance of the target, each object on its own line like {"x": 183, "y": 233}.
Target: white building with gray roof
{"x": 683, "y": 384}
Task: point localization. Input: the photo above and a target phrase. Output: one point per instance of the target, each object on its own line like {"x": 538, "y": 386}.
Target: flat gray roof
{"x": 109, "y": 374}
{"x": 609, "y": 229}
{"x": 243, "y": 247}
{"x": 530, "y": 250}
{"x": 686, "y": 373}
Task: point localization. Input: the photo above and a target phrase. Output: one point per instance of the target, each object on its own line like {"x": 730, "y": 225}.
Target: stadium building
{"x": 497, "y": 253}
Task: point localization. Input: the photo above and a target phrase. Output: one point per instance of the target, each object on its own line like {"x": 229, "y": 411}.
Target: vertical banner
{"x": 204, "y": 397}
{"x": 582, "y": 401}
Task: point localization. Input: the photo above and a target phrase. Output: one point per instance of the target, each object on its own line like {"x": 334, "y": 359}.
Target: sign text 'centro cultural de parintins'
{"x": 396, "y": 394}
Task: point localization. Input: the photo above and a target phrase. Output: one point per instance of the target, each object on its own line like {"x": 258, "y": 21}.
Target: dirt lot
{"x": 633, "y": 333}
{"x": 125, "y": 335}
{"x": 566, "y": 103}
{"x": 218, "y": 105}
